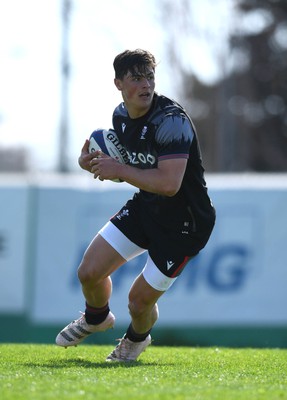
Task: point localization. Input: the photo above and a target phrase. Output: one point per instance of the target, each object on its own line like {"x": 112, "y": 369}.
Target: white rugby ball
{"x": 108, "y": 142}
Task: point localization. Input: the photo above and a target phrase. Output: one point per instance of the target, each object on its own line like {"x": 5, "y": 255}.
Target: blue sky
{"x": 30, "y": 53}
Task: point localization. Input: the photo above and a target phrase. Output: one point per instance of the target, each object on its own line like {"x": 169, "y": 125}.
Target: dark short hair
{"x": 133, "y": 61}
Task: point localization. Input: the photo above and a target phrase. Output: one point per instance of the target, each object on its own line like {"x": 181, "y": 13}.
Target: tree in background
{"x": 241, "y": 116}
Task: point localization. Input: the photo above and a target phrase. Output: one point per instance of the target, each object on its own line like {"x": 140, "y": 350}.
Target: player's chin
{"x": 144, "y": 102}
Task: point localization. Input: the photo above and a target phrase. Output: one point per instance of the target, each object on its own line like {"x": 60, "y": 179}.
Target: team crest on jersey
{"x": 143, "y": 133}
{"x": 124, "y": 213}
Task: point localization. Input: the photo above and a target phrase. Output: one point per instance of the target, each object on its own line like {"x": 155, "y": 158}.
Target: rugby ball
{"x": 108, "y": 142}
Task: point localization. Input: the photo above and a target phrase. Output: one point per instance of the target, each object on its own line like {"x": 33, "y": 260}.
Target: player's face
{"x": 137, "y": 91}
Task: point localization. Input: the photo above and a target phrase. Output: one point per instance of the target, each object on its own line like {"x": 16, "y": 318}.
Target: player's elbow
{"x": 170, "y": 177}
{"x": 170, "y": 190}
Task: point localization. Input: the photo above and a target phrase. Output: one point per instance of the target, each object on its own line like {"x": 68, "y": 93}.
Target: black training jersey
{"x": 167, "y": 132}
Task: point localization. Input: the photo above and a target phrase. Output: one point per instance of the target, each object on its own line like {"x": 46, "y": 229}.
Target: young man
{"x": 171, "y": 216}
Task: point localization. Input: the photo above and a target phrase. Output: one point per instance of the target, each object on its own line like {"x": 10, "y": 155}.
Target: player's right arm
{"x": 85, "y": 157}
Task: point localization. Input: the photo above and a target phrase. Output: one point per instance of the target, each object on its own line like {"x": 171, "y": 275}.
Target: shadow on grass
{"x": 80, "y": 363}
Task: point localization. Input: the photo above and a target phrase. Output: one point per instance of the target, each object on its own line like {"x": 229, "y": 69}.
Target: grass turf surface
{"x": 29, "y": 371}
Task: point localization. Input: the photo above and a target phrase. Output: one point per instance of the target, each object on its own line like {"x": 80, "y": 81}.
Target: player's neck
{"x": 138, "y": 112}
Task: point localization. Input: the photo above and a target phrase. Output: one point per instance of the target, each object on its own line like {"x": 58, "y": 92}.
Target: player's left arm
{"x": 165, "y": 180}
{"x": 174, "y": 138}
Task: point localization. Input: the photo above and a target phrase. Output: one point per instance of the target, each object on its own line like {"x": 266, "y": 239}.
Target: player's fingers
{"x": 94, "y": 168}
{"x": 85, "y": 148}
{"x": 94, "y": 162}
{"x": 96, "y": 155}
{"x": 103, "y": 155}
{"x": 97, "y": 175}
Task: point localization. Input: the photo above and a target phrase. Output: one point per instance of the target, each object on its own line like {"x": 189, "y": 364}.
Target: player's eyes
{"x": 135, "y": 78}
{"x": 139, "y": 77}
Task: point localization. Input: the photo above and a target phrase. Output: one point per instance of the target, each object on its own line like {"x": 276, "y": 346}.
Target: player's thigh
{"x": 100, "y": 259}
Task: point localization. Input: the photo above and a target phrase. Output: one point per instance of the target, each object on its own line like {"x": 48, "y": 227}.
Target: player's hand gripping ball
{"x": 108, "y": 142}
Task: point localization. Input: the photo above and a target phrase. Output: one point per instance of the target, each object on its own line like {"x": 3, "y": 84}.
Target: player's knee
{"x": 86, "y": 274}
{"x": 82, "y": 274}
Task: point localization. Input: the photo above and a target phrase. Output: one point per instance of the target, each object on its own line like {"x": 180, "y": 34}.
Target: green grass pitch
{"x": 29, "y": 371}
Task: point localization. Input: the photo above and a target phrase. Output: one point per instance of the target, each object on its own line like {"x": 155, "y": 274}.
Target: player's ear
{"x": 118, "y": 83}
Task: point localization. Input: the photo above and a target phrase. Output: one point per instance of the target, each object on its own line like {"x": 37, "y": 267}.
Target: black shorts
{"x": 170, "y": 248}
